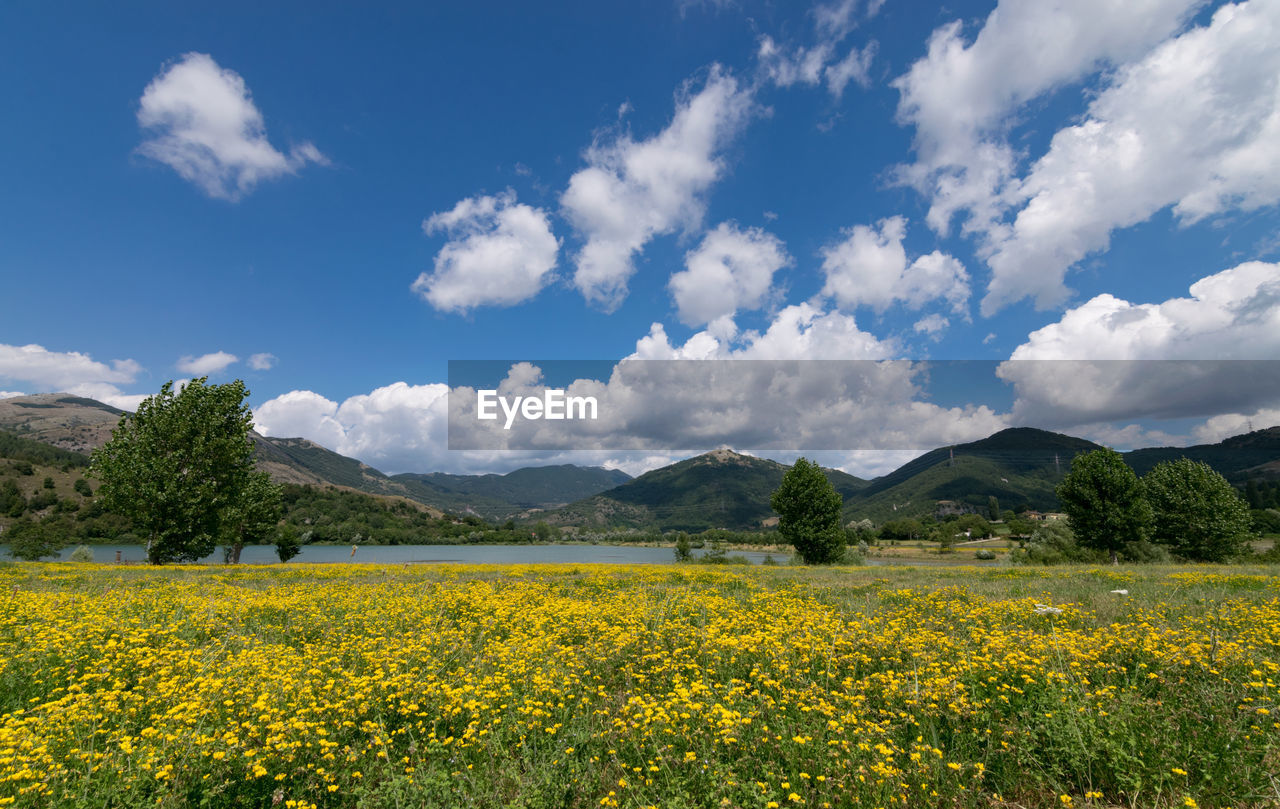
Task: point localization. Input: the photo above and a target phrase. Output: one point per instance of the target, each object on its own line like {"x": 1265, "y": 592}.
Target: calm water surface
{"x": 469, "y": 554}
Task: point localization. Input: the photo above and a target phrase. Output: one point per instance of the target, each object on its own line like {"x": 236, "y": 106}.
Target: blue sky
{"x": 344, "y": 199}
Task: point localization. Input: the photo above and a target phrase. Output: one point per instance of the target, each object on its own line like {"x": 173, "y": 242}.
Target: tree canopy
{"x": 1198, "y": 514}
{"x": 1105, "y": 503}
{"x": 182, "y": 469}
{"x": 808, "y": 509}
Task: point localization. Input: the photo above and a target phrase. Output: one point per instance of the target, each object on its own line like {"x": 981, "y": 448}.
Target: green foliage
{"x": 993, "y": 507}
{"x": 1019, "y": 526}
{"x": 861, "y": 531}
{"x": 82, "y": 554}
{"x": 975, "y": 524}
{"x": 684, "y": 548}
{"x": 722, "y": 490}
{"x": 42, "y": 499}
{"x": 985, "y": 555}
{"x": 27, "y": 451}
{"x": 333, "y": 515}
{"x": 1198, "y": 515}
{"x": 1263, "y": 522}
{"x": 32, "y": 540}
{"x": 1053, "y": 543}
{"x": 12, "y": 503}
{"x": 82, "y": 488}
{"x": 288, "y": 543}
{"x": 253, "y": 516}
{"x": 808, "y": 508}
{"x": 902, "y": 530}
{"x": 48, "y": 483}
{"x": 180, "y": 468}
{"x": 1104, "y": 500}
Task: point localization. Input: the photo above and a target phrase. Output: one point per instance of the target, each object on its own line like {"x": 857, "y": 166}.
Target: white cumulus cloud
{"x": 932, "y": 325}
{"x": 632, "y": 191}
{"x": 1209, "y": 354}
{"x": 395, "y": 428}
{"x": 206, "y": 364}
{"x": 262, "y": 362}
{"x": 869, "y": 268}
{"x": 962, "y": 97}
{"x": 731, "y": 270}
{"x": 1193, "y": 125}
{"x": 500, "y": 253}
{"x": 821, "y": 62}
{"x": 70, "y": 372}
{"x": 204, "y": 125}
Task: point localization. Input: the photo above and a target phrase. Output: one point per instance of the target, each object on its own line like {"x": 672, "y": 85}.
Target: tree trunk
{"x": 1115, "y": 560}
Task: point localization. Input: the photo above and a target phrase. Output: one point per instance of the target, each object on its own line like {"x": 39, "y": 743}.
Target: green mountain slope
{"x": 527, "y": 488}
{"x": 1255, "y": 454}
{"x": 1020, "y": 466}
{"x": 78, "y": 424}
{"x": 719, "y": 489}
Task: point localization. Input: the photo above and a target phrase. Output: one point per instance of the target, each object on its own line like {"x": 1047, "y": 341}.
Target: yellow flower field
{"x": 587, "y": 686}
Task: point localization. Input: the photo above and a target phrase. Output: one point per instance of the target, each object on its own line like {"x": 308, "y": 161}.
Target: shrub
{"x": 684, "y": 547}
{"x": 82, "y": 554}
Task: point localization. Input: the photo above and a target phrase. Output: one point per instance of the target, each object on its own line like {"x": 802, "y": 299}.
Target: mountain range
{"x": 719, "y": 489}
{"x": 81, "y": 425}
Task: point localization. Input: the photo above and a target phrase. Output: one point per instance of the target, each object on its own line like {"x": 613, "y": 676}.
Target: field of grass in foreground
{"x": 589, "y": 686}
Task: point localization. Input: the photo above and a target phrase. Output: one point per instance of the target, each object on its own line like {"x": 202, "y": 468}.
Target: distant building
{"x": 1045, "y": 516}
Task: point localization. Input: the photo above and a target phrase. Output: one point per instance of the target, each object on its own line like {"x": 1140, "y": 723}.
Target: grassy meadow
{"x": 671, "y": 686}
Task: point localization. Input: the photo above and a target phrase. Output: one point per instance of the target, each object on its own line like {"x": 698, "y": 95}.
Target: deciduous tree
{"x": 181, "y": 468}
{"x": 808, "y": 509}
{"x": 1198, "y": 515}
{"x": 1104, "y": 501}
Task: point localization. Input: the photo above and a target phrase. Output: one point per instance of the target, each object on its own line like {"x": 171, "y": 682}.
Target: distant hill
{"x": 78, "y": 424}
{"x": 719, "y": 489}
{"x": 1255, "y": 454}
{"x": 68, "y": 422}
{"x": 527, "y": 489}
{"x": 1020, "y": 466}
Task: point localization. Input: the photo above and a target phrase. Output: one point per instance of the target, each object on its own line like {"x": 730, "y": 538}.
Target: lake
{"x": 472, "y": 554}
{"x": 466, "y": 554}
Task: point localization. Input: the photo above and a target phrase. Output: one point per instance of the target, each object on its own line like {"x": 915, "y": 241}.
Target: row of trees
{"x": 1182, "y": 505}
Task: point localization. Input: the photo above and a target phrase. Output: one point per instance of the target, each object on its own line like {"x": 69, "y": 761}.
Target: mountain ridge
{"x": 1019, "y": 466}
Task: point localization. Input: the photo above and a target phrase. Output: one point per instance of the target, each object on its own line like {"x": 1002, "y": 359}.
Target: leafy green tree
{"x": 808, "y": 509}
{"x": 288, "y": 543}
{"x": 1262, "y": 522}
{"x": 993, "y": 508}
{"x": 1104, "y": 502}
{"x": 684, "y": 548}
{"x": 82, "y": 487}
{"x": 903, "y": 530}
{"x": 82, "y": 554}
{"x": 32, "y": 540}
{"x": 252, "y": 518}
{"x": 1052, "y": 543}
{"x": 12, "y": 503}
{"x": 180, "y": 468}
{"x": 975, "y": 524}
{"x": 1198, "y": 515}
